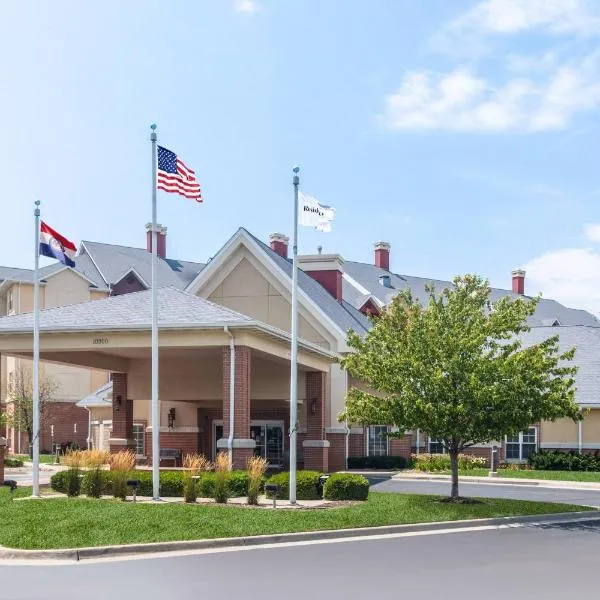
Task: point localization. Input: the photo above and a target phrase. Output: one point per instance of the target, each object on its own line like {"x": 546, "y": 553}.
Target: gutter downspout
{"x": 231, "y": 394}
{"x": 89, "y": 436}
{"x": 580, "y": 436}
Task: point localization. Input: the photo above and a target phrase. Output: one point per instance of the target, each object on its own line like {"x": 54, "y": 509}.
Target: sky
{"x": 463, "y": 133}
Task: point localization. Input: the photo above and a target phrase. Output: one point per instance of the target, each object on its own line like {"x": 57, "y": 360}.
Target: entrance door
{"x": 268, "y": 436}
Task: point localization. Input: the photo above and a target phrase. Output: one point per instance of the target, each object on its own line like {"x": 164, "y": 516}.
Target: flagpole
{"x": 155, "y": 401}
{"x": 36, "y": 355}
{"x": 294, "y": 351}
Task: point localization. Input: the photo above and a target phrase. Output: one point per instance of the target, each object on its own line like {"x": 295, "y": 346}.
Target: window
{"x": 378, "y": 440}
{"x": 521, "y": 446}
{"x": 139, "y": 438}
{"x": 436, "y": 447}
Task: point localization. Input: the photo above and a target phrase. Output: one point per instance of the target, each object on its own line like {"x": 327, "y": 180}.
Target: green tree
{"x": 457, "y": 369}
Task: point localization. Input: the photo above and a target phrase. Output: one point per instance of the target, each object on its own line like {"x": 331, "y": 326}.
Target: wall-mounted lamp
{"x": 313, "y": 407}
{"x": 118, "y": 402}
{"x": 171, "y": 418}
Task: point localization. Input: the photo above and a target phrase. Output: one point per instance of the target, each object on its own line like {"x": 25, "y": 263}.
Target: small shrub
{"x": 121, "y": 464}
{"x": 555, "y": 460}
{"x": 221, "y": 491}
{"x": 237, "y": 482}
{"x": 441, "y": 462}
{"x": 346, "y": 486}
{"x": 13, "y": 463}
{"x": 307, "y": 485}
{"x": 257, "y": 466}
{"x": 377, "y": 462}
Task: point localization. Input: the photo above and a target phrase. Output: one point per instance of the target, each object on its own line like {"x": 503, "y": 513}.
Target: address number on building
{"x": 99, "y": 341}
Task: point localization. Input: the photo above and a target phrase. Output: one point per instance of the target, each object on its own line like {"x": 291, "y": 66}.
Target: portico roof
{"x": 130, "y": 311}
{"x": 106, "y": 333}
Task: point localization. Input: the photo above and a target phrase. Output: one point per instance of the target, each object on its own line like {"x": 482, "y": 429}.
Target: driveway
{"x": 495, "y": 490}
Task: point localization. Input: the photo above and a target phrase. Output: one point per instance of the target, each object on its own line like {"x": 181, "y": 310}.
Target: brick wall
{"x": 242, "y": 391}
{"x": 2, "y": 450}
{"x": 356, "y": 444}
{"x": 316, "y": 459}
{"x": 184, "y": 441}
{"x": 122, "y": 408}
{"x": 401, "y": 446}
{"x": 337, "y": 452}
{"x": 70, "y": 424}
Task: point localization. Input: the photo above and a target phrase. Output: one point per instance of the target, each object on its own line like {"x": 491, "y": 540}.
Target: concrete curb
{"x": 545, "y": 483}
{"x": 77, "y": 554}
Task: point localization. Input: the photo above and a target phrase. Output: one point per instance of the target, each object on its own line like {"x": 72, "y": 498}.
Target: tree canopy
{"x": 457, "y": 368}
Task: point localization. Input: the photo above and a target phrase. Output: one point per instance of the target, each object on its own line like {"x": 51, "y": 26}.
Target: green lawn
{"x": 80, "y": 522}
{"x": 593, "y": 476}
{"x": 44, "y": 458}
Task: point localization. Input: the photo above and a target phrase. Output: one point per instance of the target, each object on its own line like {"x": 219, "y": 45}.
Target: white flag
{"x": 313, "y": 214}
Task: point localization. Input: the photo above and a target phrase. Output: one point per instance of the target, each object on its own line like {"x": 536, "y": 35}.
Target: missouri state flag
{"x": 56, "y": 246}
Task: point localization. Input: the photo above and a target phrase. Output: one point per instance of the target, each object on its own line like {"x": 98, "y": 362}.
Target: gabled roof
{"x": 176, "y": 309}
{"x": 586, "y": 341}
{"x": 363, "y": 278}
{"x": 100, "y": 398}
{"x": 26, "y": 275}
{"x": 111, "y": 262}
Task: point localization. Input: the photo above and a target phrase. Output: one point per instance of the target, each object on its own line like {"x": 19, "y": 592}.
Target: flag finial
{"x": 296, "y": 169}
{"x": 153, "y": 126}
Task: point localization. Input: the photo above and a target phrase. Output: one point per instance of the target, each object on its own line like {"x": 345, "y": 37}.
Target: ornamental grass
{"x": 73, "y": 459}
{"x": 93, "y": 480}
{"x": 221, "y": 487}
{"x": 193, "y": 465}
{"x": 121, "y": 464}
{"x": 257, "y": 467}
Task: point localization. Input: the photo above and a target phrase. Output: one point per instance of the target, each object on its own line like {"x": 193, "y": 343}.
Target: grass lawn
{"x": 80, "y": 522}
{"x": 593, "y": 476}
{"x": 44, "y": 458}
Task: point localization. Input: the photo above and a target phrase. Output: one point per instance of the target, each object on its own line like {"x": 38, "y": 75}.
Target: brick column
{"x": 316, "y": 447}
{"x": 243, "y": 446}
{"x": 122, "y": 415}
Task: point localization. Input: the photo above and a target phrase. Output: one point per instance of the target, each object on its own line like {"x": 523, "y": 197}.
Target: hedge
{"x": 555, "y": 460}
{"x": 171, "y": 483}
{"x": 441, "y": 462}
{"x": 13, "y": 463}
{"x": 307, "y": 485}
{"x": 346, "y": 486}
{"x": 377, "y": 462}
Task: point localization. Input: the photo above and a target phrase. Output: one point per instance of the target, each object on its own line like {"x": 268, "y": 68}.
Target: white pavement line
{"x": 176, "y": 553}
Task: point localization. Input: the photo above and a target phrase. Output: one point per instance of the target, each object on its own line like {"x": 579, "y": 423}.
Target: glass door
{"x": 274, "y": 444}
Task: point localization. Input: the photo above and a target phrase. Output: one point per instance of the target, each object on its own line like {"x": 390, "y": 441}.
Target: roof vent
{"x": 385, "y": 281}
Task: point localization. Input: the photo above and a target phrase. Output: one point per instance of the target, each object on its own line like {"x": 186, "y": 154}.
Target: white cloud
{"x": 247, "y": 6}
{"x": 462, "y": 101}
{"x": 592, "y": 232}
{"x": 571, "y": 276}
{"x": 504, "y": 17}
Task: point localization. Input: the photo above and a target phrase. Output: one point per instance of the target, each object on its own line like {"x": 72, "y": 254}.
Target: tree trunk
{"x": 454, "y": 474}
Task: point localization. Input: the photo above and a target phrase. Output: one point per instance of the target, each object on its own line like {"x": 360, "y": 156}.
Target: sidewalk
{"x": 547, "y": 483}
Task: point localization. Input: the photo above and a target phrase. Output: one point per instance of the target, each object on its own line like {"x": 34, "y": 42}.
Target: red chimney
{"x": 161, "y": 239}
{"x": 518, "y": 281}
{"x": 382, "y": 255}
{"x": 326, "y": 269}
{"x": 279, "y": 243}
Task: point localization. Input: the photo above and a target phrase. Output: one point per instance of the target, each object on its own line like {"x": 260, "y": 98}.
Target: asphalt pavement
{"x": 546, "y": 562}
{"x": 494, "y": 490}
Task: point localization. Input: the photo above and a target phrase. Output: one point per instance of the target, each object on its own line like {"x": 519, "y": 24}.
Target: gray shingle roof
{"x": 129, "y": 311}
{"x": 586, "y": 341}
{"x": 344, "y": 315}
{"x": 116, "y": 261}
{"x": 100, "y": 398}
{"x": 368, "y": 275}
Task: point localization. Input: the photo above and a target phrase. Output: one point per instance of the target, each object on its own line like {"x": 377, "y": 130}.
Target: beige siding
{"x": 248, "y": 290}
{"x": 562, "y": 431}
{"x": 591, "y": 428}
{"x": 66, "y": 288}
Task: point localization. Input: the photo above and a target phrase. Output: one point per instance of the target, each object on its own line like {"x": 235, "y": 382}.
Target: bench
{"x": 173, "y": 454}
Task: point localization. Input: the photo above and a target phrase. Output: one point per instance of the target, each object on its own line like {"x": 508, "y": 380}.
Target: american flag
{"x": 174, "y": 176}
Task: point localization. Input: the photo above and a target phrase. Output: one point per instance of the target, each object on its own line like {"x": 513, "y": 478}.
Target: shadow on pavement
{"x": 585, "y": 526}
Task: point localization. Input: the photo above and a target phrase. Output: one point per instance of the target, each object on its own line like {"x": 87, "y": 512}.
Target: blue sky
{"x": 462, "y": 132}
